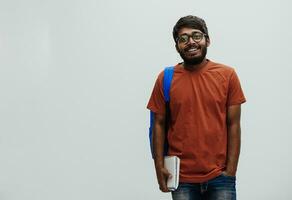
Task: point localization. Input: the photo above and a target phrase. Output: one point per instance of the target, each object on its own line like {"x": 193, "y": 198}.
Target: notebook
{"x": 171, "y": 163}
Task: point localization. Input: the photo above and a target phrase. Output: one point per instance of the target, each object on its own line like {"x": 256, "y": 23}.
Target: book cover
{"x": 171, "y": 163}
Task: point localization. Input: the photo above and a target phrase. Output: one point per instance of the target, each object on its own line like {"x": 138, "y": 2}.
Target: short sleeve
{"x": 156, "y": 102}
{"x": 235, "y": 93}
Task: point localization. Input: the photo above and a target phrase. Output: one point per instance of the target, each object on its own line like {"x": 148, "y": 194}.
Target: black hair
{"x": 190, "y": 21}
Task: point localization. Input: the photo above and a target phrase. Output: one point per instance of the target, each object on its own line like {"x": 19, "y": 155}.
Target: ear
{"x": 176, "y": 47}
{"x": 208, "y": 42}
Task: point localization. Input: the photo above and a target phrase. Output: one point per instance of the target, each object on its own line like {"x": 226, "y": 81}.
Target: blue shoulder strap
{"x": 168, "y": 75}
{"x": 167, "y": 78}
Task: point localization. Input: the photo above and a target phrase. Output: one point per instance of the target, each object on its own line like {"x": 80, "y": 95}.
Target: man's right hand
{"x": 162, "y": 176}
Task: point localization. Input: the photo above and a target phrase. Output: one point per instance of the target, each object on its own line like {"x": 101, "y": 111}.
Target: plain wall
{"x": 75, "y": 78}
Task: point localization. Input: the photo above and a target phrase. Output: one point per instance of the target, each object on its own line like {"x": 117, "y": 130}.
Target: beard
{"x": 193, "y": 60}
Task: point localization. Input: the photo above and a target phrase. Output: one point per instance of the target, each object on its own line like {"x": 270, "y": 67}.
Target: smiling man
{"x": 204, "y": 129}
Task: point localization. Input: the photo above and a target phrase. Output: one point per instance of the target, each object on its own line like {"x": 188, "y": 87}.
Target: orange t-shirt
{"x": 198, "y": 129}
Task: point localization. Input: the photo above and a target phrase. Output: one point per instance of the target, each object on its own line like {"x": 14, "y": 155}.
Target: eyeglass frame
{"x": 191, "y": 36}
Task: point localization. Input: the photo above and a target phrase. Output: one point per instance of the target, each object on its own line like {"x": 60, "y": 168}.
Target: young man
{"x": 204, "y": 130}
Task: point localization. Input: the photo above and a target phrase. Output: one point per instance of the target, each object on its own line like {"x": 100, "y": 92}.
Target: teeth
{"x": 192, "y": 49}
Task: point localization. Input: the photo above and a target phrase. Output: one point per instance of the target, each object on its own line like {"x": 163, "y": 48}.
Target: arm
{"x": 158, "y": 147}
{"x": 233, "y": 139}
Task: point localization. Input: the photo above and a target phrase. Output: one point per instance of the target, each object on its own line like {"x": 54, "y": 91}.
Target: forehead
{"x": 188, "y": 31}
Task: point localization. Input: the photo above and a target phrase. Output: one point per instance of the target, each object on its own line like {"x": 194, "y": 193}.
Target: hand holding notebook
{"x": 171, "y": 163}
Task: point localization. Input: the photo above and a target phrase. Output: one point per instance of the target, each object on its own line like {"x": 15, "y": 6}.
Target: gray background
{"x": 75, "y": 78}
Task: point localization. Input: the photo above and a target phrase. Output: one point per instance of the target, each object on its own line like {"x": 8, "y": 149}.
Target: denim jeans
{"x": 219, "y": 188}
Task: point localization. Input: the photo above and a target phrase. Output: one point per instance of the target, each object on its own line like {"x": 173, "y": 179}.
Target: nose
{"x": 191, "y": 41}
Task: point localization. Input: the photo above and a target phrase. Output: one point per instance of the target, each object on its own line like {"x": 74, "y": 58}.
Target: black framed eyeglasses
{"x": 196, "y": 36}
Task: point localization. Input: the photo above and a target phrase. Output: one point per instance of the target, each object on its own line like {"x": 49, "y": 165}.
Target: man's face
{"x": 192, "y": 49}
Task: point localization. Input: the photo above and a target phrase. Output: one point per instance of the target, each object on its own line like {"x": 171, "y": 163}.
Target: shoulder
{"x": 161, "y": 73}
{"x": 222, "y": 70}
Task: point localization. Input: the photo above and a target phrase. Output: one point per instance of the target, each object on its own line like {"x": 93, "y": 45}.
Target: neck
{"x": 196, "y": 66}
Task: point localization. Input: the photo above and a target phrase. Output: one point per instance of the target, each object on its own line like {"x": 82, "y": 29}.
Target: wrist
{"x": 230, "y": 172}
{"x": 159, "y": 163}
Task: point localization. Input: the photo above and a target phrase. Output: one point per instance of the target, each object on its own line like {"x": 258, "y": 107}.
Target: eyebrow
{"x": 191, "y": 33}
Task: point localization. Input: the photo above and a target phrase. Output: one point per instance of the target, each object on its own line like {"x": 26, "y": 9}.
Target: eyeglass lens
{"x": 196, "y": 36}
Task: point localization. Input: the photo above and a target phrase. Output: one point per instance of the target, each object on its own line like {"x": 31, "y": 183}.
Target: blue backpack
{"x": 167, "y": 78}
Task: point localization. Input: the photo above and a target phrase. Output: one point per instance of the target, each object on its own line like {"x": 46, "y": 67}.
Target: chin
{"x": 193, "y": 60}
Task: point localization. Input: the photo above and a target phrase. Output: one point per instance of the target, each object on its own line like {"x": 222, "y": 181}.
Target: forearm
{"x": 233, "y": 147}
{"x": 158, "y": 143}
{"x": 158, "y": 147}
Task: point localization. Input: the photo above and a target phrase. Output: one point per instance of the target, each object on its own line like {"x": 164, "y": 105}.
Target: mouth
{"x": 192, "y": 50}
